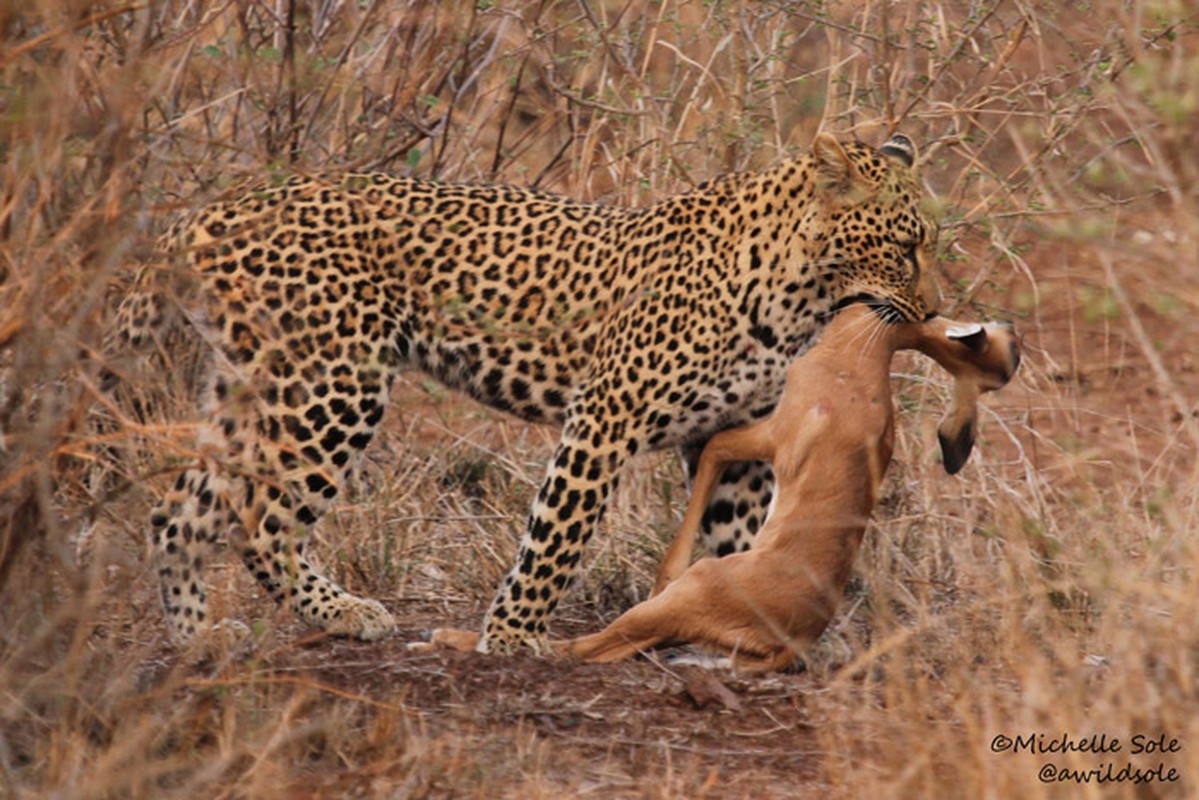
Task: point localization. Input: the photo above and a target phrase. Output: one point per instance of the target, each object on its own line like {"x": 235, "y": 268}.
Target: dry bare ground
{"x": 1049, "y": 591}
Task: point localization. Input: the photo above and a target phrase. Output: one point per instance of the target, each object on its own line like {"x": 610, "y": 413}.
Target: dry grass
{"x": 1052, "y": 588}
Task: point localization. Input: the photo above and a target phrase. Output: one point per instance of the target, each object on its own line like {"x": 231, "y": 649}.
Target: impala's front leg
{"x": 738, "y": 444}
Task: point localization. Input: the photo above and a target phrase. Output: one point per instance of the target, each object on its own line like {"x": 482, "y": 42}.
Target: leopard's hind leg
{"x": 184, "y": 525}
{"x": 277, "y": 475}
{"x": 276, "y": 518}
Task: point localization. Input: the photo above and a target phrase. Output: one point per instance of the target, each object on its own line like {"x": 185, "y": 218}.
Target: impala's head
{"x": 981, "y": 358}
{"x": 880, "y": 245}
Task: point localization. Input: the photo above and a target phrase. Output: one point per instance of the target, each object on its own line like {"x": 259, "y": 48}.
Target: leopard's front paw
{"x": 505, "y": 643}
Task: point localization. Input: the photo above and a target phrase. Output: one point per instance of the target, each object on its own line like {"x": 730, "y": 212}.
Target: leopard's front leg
{"x": 581, "y": 476}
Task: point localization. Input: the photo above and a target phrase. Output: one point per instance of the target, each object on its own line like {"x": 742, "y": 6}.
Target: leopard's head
{"x": 880, "y": 246}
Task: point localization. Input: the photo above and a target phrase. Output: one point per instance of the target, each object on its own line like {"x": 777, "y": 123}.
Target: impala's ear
{"x": 974, "y": 336}
{"x": 900, "y": 148}
{"x": 836, "y": 174}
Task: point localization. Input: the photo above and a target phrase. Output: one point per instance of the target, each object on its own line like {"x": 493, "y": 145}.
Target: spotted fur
{"x": 630, "y": 328}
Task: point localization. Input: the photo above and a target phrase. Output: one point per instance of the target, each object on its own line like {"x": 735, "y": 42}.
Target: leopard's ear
{"x": 836, "y": 174}
{"x": 900, "y": 148}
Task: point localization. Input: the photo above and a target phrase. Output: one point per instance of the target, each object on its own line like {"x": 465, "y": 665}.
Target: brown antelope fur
{"x": 829, "y": 441}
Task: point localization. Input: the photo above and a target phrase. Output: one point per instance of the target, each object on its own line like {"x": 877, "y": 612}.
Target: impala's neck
{"x": 857, "y": 339}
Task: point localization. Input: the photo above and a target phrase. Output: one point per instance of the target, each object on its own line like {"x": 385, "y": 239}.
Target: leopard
{"x": 630, "y": 328}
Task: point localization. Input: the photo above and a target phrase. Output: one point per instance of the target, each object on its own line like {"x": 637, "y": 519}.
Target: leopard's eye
{"x": 908, "y": 248}
{"x": 909, "y": 255}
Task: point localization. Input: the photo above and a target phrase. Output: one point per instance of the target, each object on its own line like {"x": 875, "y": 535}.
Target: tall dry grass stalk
{"x": 1051, "y": 589}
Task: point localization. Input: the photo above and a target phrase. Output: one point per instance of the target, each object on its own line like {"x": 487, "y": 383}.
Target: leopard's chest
{"x": 742, "y": 390}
